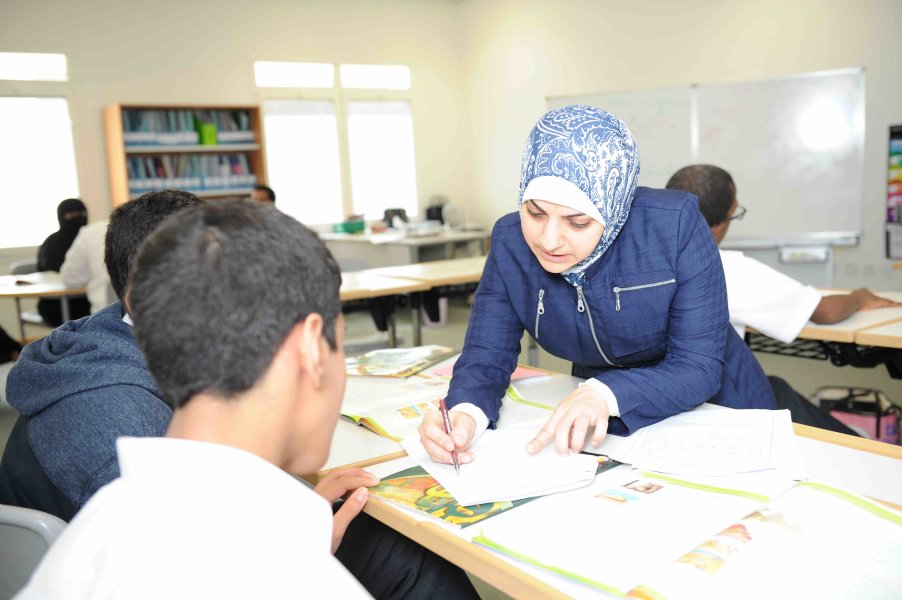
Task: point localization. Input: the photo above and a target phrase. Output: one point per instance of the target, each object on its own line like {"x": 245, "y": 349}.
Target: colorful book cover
{"x": 414, "y": 488}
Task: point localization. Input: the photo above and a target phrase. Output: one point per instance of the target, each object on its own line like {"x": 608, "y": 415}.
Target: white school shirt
{"x": 763, "y": 298}
{"x": 84, "y": 266}
{"x": 190, "y": 519}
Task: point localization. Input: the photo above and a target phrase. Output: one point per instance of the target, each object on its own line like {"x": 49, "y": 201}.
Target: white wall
{"x": 516, "y": 53}
{"x": 482, "y": 70}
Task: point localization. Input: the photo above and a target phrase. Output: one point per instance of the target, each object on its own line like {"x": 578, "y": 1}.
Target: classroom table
{"x": 870, "y": 468}
{"x": 845, "y": 343}
{"x": 44, "y": 284}
{"x": 394, "y": 248}
{"x": 435, "y": 275}
{"x": 886, "y": 336}
{"x": 362, "y": 285}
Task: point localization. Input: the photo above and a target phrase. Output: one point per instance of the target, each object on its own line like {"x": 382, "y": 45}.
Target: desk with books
{"x": 870, "y": 468}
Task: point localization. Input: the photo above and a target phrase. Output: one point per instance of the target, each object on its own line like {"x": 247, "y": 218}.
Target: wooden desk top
{"x": 46, "y": 284}
{"x": 847, "y": 330}
{"x": 885, "y": 336}
{"x": 897, "y": 265}
{"x": 362, "y": 284}
{"x": 438, "y": 272}
{"x": 393, "y": 237}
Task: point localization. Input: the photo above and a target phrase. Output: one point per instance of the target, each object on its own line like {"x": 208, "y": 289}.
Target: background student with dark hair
{"x": 210, "y": 510}
{"x": 762, "y": 297}
{"x": 262, "y": 193}
{"x": 72, "y": 215}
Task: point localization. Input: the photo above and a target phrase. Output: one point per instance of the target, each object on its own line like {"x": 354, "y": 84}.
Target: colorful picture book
{"x": 417, "y": 490}
{"x": 397, "y": 362}
{"x": 701, "y": 539}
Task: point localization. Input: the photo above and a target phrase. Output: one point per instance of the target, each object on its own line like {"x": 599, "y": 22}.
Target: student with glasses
{"x": 762, "y": 297}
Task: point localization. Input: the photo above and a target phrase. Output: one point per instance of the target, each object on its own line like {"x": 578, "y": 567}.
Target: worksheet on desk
{"x": 503, "y": 470}
{"x": 712, "y": 442}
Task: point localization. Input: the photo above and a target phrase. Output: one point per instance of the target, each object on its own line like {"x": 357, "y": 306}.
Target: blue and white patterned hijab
{"x": 584, "y": 158}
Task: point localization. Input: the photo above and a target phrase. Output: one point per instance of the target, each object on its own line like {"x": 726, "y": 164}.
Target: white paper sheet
{"x": 503, "y": 470}
{"x": 712, "y": 442}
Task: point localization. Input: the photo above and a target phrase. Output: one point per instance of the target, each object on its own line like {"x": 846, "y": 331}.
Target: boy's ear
{"x": 310, "y": 348}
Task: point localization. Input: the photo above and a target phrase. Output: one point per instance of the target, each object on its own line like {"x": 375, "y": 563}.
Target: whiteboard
{"x": 794, "y": 146}
{"x": 658, "y": 119}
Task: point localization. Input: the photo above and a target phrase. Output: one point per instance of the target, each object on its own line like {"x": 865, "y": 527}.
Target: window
{"x": 302, "y": 158}
{"x": 37, "y": 167}
{"x": 348, "y": 149}
{"x": 380, "y": 136}
{"x": 26, "y": 66}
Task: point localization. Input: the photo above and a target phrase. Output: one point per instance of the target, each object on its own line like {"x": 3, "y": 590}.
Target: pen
{"x": 446, "y": 421}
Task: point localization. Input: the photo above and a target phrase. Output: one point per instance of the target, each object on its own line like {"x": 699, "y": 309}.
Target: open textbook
{"x": 503, "y": 470}
{"x": 643, "y": 535}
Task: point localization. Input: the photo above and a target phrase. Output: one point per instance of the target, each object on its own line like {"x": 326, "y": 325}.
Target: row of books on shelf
{"x": 182, "y": 127}
{"x": 190, "y": 172}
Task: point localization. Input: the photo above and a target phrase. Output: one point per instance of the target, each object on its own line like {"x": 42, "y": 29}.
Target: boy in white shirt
{"x": 761, "y": 297}
{"x": 236, "y": 309}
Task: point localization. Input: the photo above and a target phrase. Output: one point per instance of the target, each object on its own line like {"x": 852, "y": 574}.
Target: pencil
{"x": 446, "y": 421}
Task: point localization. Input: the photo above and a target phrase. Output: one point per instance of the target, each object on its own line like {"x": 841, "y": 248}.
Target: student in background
{"x": 262, "y": 193}
{"x": 72, "y": 215}
{"x": 84, "y": 266}
{"x": 763, "y": 298}
{"x": 84, "y": 385}
{"x": 760, "y": 296}
{"x": 616, "y": 279}
{"x": 211, "y": 510}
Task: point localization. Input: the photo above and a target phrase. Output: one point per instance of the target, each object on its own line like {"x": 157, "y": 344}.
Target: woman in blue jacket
{"x": 625, "y": 282}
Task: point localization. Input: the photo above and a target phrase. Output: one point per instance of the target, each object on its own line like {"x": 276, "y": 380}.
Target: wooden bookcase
{"x": 150, "y": 147}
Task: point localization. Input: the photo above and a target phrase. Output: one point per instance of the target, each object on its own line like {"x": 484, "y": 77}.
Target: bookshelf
{"x": 214, "y": 151}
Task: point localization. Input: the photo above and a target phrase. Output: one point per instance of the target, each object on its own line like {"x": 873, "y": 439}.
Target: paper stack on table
{"x": 706, "y": 441}
{"x": 503, "y": 470}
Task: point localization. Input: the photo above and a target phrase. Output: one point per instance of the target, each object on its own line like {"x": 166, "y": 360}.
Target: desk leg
{"x": 21, "y": 322}
{"x": 64, "y": 309}
{"x": 416, "y": 319}
{"x": 392, "y": 331}
{"x": 533, "y": 353}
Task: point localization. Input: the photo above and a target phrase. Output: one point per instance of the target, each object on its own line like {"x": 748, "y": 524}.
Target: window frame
{"x": 340, "y": 97}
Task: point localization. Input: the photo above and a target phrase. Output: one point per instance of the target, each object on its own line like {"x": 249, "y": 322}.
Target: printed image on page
{"x": 503, "y": 470}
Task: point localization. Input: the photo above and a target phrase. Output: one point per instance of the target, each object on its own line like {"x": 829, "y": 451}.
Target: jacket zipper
{"x": 619, "y": 290}
{"x": 540, "y": 310}
{"x": 583, "y": 306}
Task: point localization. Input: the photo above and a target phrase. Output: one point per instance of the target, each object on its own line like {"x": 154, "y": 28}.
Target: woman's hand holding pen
{"x": 439, "y": 444}
{"x": 339, "y": 482}
{"x": 580, "y": 409}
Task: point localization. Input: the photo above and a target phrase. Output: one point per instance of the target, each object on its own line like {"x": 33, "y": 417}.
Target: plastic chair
{"x": 25, "y": 536}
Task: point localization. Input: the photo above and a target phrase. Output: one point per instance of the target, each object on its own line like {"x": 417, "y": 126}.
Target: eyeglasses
{"x": 740, "y": 212}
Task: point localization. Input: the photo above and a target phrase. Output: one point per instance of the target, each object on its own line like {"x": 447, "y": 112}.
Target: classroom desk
{"x": 886, "y": 336}
{"x": 362, "y": 285}
{"x": 871, "y": 468}
{"x": 45, "y": 284}
{"x": 435, "y": 274}
{"x": 847, "y": 330}
{"x": 826, "y": 455}
{"x": 392, "y": 248}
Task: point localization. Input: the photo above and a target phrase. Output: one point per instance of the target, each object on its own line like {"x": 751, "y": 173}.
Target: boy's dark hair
{"x": 131, "y": 223}
{"x": 268, "y": 190}
{"x": 216, "y": 290}
{"x": 713, "y": 186}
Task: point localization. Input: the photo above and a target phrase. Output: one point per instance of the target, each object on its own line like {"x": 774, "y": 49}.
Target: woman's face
{"x": 558, "y": 235}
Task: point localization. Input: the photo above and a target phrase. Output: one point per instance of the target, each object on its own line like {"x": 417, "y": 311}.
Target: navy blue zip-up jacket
{"x": 650, "y": 321}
